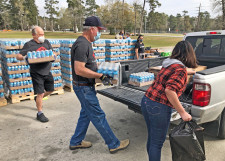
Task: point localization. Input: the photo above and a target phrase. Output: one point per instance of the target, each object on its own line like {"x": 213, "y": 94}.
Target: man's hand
{"x": 106, "y": 79}
{"x": 25, "y": 58}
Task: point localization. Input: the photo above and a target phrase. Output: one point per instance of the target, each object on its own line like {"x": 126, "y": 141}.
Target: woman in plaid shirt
{"x": 163, "y": 95}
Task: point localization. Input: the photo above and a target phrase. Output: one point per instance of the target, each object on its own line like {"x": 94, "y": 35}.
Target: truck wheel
{"x": 222, "y": 126}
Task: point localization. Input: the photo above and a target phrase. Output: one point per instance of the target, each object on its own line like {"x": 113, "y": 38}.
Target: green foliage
{"x": 52, "y": 10}
{"x": 31, "y": 10}
{"x": 77, "y": 10}
{"x": 64, "y": 19}
{"x": 91, "y": 7}
{"x": 153, "y": 4}
{"x": 115, "y": 15}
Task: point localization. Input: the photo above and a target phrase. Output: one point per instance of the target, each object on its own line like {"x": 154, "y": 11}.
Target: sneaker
{"x": 123, "y": 145}
{"x": 83, "y": 145}
{"x": 42, "y": 118}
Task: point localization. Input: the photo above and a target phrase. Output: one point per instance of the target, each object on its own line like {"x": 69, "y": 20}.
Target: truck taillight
{"x": 201, "y": 94}
{"x": 213, "y": 33}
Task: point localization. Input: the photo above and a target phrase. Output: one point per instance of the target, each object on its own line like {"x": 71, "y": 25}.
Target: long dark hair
{"x": 184, "y": 52}
{"x": 139, "y": 37}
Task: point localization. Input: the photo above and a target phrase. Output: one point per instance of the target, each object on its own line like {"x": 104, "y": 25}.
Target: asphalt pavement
{"x": 23, "y": 138}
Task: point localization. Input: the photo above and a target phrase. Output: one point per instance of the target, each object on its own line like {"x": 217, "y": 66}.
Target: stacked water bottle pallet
{"x": 141, "y": 79}
{"x": 56, "y": 68}
{"x": 99, "y": 50}
{"x": 3, "y": 101}
{"x": 119, "y": 50}
{"x": 65, "y": 54}
{"x": 16, "y": 76}
{"x": 9, "y": 44}
{"x": 111, "y": 69}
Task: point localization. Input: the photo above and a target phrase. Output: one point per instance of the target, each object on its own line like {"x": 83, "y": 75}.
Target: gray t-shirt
{"x": 40, "y": 68}
{"x": 82, "y": 51}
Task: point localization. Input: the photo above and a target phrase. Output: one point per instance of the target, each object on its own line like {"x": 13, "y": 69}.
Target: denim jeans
{"x": 157, "y": 118}
{"x": 91, "y": 111}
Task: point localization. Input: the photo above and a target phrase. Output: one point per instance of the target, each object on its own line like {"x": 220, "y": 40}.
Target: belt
{"x": 82, "y": 84}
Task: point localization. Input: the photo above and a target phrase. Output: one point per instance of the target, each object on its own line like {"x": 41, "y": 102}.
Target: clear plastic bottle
{"x": 29, "y": 55}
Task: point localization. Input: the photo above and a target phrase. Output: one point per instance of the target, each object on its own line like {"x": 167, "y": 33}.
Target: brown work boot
{"x": 123, "y": 145}
{"x": 83, "y": 145}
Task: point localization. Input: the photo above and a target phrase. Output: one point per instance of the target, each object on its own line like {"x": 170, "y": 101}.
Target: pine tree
{"x": 31, "y": 10}
{"x": 4, "y": 16}
{"x": 91, "y": 8}
{"x": 51, "y": 7}
{"x": 77, "y": 9}
{"x": 220, "y": 6}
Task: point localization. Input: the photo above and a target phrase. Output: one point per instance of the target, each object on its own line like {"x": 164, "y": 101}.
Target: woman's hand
{"x": 186, "y": 116}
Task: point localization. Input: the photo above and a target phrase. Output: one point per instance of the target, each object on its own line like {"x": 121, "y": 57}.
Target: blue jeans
{"x": 91, "y": 111}
{"x": 157, "y": 118}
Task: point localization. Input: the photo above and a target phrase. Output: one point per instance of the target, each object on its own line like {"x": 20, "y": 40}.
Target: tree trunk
{"x": 75, "y": 24}
{"x": 122, "y": 16}
{"x": 135, "y": 20}
{"x": 142, "y": 15}
{"x": 223, "y": 9}
{"x": 52, "y": 25}
{"x": 21, "y": 23}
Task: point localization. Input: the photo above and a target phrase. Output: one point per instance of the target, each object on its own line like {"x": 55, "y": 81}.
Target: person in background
{"x": 128, "y": 36}
{"x": 139, "y": 48}
{"x": 84, "y": 69}
{"x": 121, "y": 33}
{"x": 43, "y": 82}
{"x": 162, "y": 96}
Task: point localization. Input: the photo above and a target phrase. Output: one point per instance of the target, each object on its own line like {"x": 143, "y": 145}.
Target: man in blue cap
{"x": 84, "y": 69}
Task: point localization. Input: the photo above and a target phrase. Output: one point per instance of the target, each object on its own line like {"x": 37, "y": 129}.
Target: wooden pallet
{"x": 22, "y": 97}
{"x": 98, "y": 84}
{"x": 18, "y": 72}
{"x": 3, "y": 102}
{"x": 11, "y": 47}
{"x": 55, "y": 45}
{"x": 140, "y": 84}
{"x": 59, "y": 91}
{"x": 68, "y": 88}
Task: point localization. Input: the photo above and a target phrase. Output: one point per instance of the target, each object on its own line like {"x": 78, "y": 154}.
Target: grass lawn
{"x": 154, "y": 41}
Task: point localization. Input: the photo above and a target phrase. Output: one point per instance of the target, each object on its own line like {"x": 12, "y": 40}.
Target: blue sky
{"x": 168, "y": 6}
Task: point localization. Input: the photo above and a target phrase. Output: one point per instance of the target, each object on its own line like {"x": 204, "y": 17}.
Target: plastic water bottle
{"x": 110, "y": 69}
{"x": 50, "y": 53}
{"x": 29, "y": 55}
{"x": 46, "y": 53}
{"x": 115, "y": 75}
{"x": 34, "y": 55}
{"x": 38, "y": 54}
{"x": 42, "y": 54}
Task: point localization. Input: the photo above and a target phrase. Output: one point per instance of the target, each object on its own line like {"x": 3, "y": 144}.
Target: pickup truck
{"x": 204, "y": 96}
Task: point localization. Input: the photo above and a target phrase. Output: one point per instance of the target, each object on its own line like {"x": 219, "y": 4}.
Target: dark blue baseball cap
{"x": 94, "y": 21}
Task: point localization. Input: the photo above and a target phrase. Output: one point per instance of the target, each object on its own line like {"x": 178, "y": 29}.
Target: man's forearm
{"x": 19, "y": 57}
{"x": 87, "y": 73}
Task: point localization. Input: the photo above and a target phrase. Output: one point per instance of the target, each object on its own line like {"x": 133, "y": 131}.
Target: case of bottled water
{"x": 112, "y": 69}
{"x": 141, "y": 78}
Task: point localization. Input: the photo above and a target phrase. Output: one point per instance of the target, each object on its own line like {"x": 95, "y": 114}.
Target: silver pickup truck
{"x": 204, "y": 96}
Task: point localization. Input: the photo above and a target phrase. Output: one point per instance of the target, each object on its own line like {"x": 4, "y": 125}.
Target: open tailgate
{"x": 128, "y": 96}
{"x": 132, "y": 98}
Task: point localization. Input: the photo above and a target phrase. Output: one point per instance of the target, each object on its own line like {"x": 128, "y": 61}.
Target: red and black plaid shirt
{"x": 174, "y": 77}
